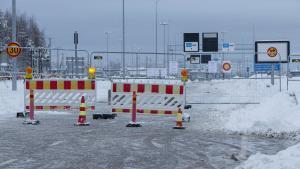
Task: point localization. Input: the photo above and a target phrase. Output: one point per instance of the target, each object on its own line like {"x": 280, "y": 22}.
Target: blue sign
{"x": 225, "y": 45}
{"x": 266, "y": 67}
{"x": 189, "y": 45}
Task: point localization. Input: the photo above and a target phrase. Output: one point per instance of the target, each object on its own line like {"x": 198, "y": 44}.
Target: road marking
{"x": 7, "y": 162}
{"x": 56, "y": 143}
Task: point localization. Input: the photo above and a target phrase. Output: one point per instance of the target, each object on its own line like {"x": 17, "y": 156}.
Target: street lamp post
{"x": 14, "y": 39}
{"x": 76, "y": 57}
{"x": 123, "y": 41}
{"x": 164, "y": 24}
{"x": 156, "y": 18}
{"x": 107, "y": 47}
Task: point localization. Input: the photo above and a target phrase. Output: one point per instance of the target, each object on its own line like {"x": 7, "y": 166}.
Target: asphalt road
{"x": 107, "y": 144}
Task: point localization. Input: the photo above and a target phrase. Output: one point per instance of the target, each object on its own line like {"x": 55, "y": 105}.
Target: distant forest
{"x": 28, "y": 35}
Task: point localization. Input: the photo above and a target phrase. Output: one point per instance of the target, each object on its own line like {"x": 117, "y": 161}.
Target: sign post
{"x": 272, "y": 52}
{"x": 14, "y": 39}
{"x": 14, "y": 50}
{"x": 76, "y": 58}
{"x": 184, "y": 78}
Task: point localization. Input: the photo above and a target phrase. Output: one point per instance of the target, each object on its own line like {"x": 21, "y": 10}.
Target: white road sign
{"x": 212, "y": 66}
{"x": 228, "y": 47}
{"x": 272, "y": 51}
{"x": 191, "y": 46}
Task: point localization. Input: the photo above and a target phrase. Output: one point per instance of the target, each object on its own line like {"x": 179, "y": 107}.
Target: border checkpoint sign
{"x": 191, "y": 42}
{"x": 272, "y": 51}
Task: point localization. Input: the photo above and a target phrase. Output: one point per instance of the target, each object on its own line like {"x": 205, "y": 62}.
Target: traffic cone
{"x": 82, "y": 114}
{"x": 179, "y": 120}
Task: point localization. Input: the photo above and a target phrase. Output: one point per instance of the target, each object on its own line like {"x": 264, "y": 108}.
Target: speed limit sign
{"x": 13, "y": 49}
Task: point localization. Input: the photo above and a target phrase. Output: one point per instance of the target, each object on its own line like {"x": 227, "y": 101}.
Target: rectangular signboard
{"x": 191, "y": 46}
{"x": 272, "y": 51}
{"x": 228, "y": 47}
{"x": 213, "y": 67}
{"x": 191, "y": 42}
{"x": 210, "y": 42}
{"x": 194, "y": 59}
{"x": 205, "y": 59}
{"x": 266, "y": 67}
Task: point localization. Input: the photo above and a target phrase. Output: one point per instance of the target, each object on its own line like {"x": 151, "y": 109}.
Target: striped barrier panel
{"x": 151, "y": 98}
{"x": 60, "y": 94}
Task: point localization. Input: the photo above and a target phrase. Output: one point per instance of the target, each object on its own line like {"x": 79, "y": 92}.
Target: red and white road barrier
{"x": 151, "y": 98}
{"x": 55, "y": 95}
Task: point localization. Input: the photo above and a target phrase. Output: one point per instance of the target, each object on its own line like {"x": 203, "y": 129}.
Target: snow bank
{"x": 278, "y": 113}
{"x": 286, "y": 159}
{"x": 11, "y": 101}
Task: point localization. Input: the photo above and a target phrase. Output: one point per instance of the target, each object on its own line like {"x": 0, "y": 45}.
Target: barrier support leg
{"x": 31, "y": 110}
{"x": 133, "y": 123}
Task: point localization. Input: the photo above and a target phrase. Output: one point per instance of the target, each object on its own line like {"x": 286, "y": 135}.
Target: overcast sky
{"x": 272, "y": 20}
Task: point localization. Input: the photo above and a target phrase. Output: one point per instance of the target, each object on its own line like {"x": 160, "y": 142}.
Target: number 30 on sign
{"x": 13, "y": 49}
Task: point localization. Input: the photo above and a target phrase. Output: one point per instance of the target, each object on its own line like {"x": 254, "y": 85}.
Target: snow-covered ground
{"x": 277, "y": 113}
{"x": 286, "y": 159}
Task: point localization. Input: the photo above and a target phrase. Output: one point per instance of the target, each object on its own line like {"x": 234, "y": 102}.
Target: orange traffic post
{"x": 133, "y": 123}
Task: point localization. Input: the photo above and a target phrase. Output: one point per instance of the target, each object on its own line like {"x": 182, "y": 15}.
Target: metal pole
{"x": 57, "y": 59}
{"x": 14, "y": 39}
{"x": 136, "y": 64}
{"x": 168, "y": 47}
{"x": 280, "y": 73}
{"x": 76, "y": 57}
{"x": 164, "y": 45}
{"x": 184, "y": 88}
{"x": 107, "y": 50}
{"x": 123, "y": 48}
{"x": 287, "y": 75}
{"x": 156, "y": 20}
{"x": 50, "y": 43}
{"x": 107, "y": 34}
{"x": 272, "y": 74}
{"x": 223, "y": 74}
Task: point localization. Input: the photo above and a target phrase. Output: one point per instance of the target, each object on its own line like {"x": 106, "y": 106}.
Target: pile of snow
{"x": 278, "y": 113}
{"x": 286, "y": 159}
{"x": 11, "y": 101}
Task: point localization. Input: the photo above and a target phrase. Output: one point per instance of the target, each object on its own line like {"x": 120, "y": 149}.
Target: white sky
{"x": 273, "y": 20}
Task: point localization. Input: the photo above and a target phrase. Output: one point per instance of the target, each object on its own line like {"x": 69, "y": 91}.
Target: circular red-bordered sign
{"x": 226, "y": 66}
{"x": 272, "y": 52}
{"x": 13, "y": 49}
